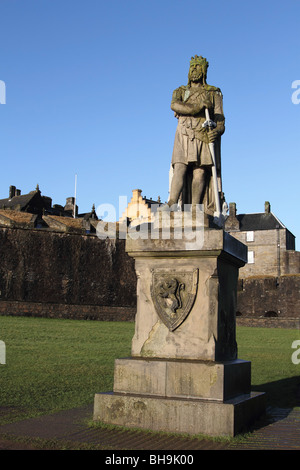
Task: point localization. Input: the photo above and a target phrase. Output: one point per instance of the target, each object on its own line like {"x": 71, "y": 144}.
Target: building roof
{"x": 11, "y": 218}
{"x": 17, "y": 201}
{"x": 259, "y": 221}
{"x": 65, "y": 224}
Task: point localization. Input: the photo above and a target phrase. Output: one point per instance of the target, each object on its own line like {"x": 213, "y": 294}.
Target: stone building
{"x": 54, "y": 265}
{"x": 140, "y": 209}
{"x": 33, "y": 210}
{"x": 269, "y": 285}
{"x": 271, "y": 246}
{"x": 33, "y": 202}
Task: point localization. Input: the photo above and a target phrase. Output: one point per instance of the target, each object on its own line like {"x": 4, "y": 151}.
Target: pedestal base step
{"x": 182, "y": 378}
{"x": 191, "y": 416}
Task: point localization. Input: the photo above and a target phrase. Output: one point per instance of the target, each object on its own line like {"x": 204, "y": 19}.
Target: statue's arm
{"x": 218, "y": 112}
{"x": 183, "y": 108}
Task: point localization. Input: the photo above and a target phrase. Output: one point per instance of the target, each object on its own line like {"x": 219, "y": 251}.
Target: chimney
{"x": 12, "y": 191}
{"x": 232, "y": 222}
{"x": 136, "y": 193}
{"x": 232, "y": 209}
{"x": 69, "y": 207}
{"x": 267, "y": 207}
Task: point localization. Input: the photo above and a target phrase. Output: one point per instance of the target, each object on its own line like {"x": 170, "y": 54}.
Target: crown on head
{"x": 199, "y": 60}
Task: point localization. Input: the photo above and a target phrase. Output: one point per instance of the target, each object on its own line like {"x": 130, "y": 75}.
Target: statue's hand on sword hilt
{"x": 210, "y": 126}
{"x": 208, "y": 123}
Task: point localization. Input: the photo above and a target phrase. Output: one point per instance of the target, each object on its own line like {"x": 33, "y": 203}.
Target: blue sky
{"x": 89, "y": 85}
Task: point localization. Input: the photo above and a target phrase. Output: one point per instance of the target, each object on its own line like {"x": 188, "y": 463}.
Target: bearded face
{"x": 196, "y": 73}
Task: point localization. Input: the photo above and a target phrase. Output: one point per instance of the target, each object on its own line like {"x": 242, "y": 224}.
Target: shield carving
{"x": 173, "y": 295}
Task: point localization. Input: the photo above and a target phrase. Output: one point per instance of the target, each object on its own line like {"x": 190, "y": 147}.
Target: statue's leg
{"x": 177, "y": 182}
{"x": 198, "y": 185}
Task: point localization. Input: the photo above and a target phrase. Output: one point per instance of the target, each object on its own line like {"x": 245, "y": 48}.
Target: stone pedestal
{"x": 183, "y": 374}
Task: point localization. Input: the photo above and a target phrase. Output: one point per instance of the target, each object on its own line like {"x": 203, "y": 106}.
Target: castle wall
{"x": 63, "y": 269}
{"x": 68, "y": 275}
{"x": 269, "y": 297}
{"x": 66, "y": 311}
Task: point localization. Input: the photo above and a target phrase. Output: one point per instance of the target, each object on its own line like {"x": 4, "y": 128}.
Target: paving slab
{"x": 278, "y": 430}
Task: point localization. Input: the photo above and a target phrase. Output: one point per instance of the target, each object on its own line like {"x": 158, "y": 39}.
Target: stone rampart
{"x": 69, "y": 275}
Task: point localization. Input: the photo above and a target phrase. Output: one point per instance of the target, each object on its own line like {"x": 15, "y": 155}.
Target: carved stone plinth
{"x": 183, "y": 374}
{"x": 197, "y": 320}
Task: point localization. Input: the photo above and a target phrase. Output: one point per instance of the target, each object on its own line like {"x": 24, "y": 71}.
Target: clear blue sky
{"x": 89, "y": 85}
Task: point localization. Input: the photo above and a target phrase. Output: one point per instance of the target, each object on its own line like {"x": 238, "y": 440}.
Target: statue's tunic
{"x": 191, "y": 141}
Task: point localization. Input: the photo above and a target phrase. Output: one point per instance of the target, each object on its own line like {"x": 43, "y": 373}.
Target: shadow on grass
{"x": 284, "y": 393}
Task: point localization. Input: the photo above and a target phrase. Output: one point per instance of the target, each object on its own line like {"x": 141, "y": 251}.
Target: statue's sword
{"x": 211, "y": 124}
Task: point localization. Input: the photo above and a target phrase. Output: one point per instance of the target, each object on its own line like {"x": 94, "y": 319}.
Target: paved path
{"x": 280, "y": 429}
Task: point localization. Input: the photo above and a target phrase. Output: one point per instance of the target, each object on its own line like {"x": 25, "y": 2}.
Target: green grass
{"x": 55, "y": 364}
{"x": 272, "y": 369}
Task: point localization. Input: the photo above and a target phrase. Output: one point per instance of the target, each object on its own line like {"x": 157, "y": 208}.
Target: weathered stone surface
{"x": 180, "y": 378}
{"x": 196, "y": 159}
{"x": 187, "y": 241}
{"x": 277, "y": 297}
{"x": 180, "y": 415}
{"x": 208, "y": 331}
{"x": 67, "y": 311}
{"x": 51, "y": 267}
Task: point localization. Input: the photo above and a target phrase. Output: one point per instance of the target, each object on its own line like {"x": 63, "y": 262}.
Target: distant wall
{"x": 269, "y": 297}
{"x": 68, "y": 275}
{"x": 40, "y": 266}
{"x": 288, "y": 323}
{"x": 71, "y": 311}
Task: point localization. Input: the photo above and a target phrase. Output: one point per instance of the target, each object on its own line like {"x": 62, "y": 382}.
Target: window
{"x": 250, "y": 257}
{"x": 250, "y": 236}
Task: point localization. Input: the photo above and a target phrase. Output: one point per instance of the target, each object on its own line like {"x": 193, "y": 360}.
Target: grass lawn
{"x": 55, "y": 364}
{"x": 270, "y": 352}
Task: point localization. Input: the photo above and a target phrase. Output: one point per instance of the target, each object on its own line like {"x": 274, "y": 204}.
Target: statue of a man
{"x": 192, "y": 161}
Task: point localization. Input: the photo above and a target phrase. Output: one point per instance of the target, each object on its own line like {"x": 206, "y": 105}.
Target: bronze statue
{"x": 192, "y": 163}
